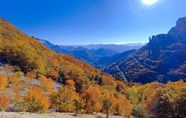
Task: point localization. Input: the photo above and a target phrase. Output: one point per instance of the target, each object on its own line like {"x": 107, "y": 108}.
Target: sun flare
{"x": 149, "y": 2}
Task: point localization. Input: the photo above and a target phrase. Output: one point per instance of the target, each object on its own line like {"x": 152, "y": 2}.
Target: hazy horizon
{"x": 126, "y": 43}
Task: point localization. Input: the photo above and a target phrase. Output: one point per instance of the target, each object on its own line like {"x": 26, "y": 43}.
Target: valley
{"x": 98, "y": 55}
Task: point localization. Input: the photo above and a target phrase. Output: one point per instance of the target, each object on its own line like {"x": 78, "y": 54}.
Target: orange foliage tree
{"x": 53, "y": 73}
{"x": 4, "y": 102}
{"x": 46, "y": 84}
{"x": 36, "y": 100}
{"x": 123, "y": 106}
{"x": 30, "y": 75}
{"x": 17, "y": 91}
{"x": 93, "y": 100}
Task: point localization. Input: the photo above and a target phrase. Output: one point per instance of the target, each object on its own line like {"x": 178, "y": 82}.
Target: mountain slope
{"x": 105, "y": 61}
{"x": 35, "y": 79}
{"x": 162, "y": 59}
{"x": 29, "y": 55}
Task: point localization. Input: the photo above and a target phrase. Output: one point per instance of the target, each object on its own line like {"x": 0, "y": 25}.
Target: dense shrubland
{"x": 28, "y": 93}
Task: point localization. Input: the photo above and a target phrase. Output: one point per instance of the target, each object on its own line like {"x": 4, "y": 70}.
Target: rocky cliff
{"x": 162, "y": 59}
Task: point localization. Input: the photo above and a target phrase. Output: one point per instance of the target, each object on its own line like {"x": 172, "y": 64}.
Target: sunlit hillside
{"x": 37, "y": 80}
{"x": 31, "y": 74}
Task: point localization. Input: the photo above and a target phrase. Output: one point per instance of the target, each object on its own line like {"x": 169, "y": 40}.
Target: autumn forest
{"x": 35, "y": 79}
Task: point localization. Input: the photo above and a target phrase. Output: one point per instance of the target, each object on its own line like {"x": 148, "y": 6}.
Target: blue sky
{"x": 74, "y": 22}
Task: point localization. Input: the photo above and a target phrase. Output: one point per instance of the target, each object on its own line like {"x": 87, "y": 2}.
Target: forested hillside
{"x": 36, "y": 79}
{"x": 33, "y": 77}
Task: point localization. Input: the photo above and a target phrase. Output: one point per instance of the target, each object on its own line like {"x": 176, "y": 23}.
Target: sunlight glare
{"x": 149, "y": 2}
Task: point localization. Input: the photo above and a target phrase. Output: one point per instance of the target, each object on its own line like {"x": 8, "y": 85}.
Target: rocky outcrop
{"x": 179, "y": 31}
{"x": 162, "y": 59}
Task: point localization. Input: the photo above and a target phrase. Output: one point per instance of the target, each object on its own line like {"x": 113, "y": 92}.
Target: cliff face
{"x": 162, "y": 59}
{"x": 179, "y": 31}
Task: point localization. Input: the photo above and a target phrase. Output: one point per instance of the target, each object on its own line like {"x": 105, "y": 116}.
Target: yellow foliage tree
{"x": 4, "y": 81}
{"x": 70, "y": 84}
{"x": 78, "y": 105}
{"x": 168, "y": 101}
{"x": 108, "y": 103}
{"x": 15, "y": 78}
{"x": 63, "y": 100}
{"x": 121, "y": 87}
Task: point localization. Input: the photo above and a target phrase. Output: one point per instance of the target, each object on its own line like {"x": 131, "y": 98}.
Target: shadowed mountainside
{"x": 105, "y": 61}
{"x": 162, "y": 59}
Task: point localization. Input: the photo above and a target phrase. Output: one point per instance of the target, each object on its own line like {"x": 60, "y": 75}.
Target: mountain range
{"x": 162, "y": 59}
{"x": 98, "y": 55}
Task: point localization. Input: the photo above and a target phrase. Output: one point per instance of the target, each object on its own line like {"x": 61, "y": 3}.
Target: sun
{"x": 149, "y": 2}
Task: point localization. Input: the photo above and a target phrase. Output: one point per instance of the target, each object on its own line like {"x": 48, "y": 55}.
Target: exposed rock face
{"x": 162, "y": 59}
{"x": 179, "y": 31}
